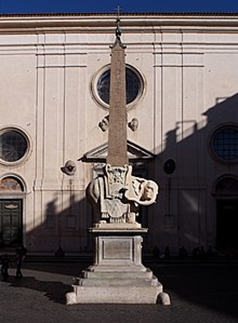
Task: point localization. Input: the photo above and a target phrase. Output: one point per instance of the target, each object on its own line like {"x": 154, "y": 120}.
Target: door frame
{"x": 225, "y": 189}
{"x": 223, "y": 242}
{"x": 10, "y": 212}
{"x": 15, "y": 193}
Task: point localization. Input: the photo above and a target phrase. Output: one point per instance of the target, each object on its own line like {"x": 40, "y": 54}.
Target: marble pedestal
{"x": 117, "y": 275}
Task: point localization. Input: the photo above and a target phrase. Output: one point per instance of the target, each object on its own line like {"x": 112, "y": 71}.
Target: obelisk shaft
{"x": 117, "y": 137}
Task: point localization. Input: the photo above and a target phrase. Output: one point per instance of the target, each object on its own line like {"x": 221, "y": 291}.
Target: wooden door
{"x": 11, "y": 222}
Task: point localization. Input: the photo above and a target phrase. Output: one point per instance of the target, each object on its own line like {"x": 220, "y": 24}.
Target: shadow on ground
{"x": 53, "y": 290}
{"x": 212, "y": 287}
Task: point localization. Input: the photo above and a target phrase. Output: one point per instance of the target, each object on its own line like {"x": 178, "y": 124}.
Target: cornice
{"x": 105, "y": 21}
{"x": 137, "y": 14}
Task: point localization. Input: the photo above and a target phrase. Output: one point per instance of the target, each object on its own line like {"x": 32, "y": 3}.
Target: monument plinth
{"x": 117, "y": 274}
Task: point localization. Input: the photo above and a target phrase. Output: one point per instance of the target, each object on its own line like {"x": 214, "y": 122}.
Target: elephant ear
{"x": 93, "y": 191}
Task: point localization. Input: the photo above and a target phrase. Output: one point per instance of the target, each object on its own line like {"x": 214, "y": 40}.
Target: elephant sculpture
{"x": 116, "y": 194}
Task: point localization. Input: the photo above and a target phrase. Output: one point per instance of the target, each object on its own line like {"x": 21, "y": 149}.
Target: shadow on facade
{"x": 186, "y": 212}
{"x": 189, "y": 212}
{"x": 187, "y": 217}
{"x": 65, "y": 230}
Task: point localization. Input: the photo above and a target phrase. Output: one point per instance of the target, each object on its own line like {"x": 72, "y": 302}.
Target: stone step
{"x": 115, "y": 294}
{"x": 118, "y": 266}
{"x": 116, "y": 274}
{"x": 122, "y": 281}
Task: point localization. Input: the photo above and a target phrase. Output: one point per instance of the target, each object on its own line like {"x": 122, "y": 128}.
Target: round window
{"x": 224, "y": 143}
{"x": 134, "y": 86}
{"x": 13, "y": 146}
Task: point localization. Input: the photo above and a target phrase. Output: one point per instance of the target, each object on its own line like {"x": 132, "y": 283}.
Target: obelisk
{"x": 117, "y": 136}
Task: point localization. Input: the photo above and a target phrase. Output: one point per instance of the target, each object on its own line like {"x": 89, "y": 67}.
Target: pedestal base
{"x": 114, "y": 295}
{"x": 117, "y": 275}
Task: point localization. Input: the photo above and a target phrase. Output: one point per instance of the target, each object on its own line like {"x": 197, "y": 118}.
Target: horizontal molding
{"x": 179, "y": 65}
{"x": 41, "y": 22}
{"x": 59, "y": 188}
{"x": 60, "y": 66}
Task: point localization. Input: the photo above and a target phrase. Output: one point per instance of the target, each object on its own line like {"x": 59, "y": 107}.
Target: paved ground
{"x": 205, "y": 292}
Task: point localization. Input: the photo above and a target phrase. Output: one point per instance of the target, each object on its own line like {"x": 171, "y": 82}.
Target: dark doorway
{"x": 10, "y": 222}
{"x": 227, "y": 224}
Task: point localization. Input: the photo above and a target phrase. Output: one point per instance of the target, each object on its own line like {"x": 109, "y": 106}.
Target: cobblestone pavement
{"x": 205, "y": 292}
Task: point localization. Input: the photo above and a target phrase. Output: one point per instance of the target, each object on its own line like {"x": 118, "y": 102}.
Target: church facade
{"x": 182, "y": 107}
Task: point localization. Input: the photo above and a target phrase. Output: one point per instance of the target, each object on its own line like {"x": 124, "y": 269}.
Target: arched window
{"x": 11, "y": 184}
{"x": 227, "y": 186}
